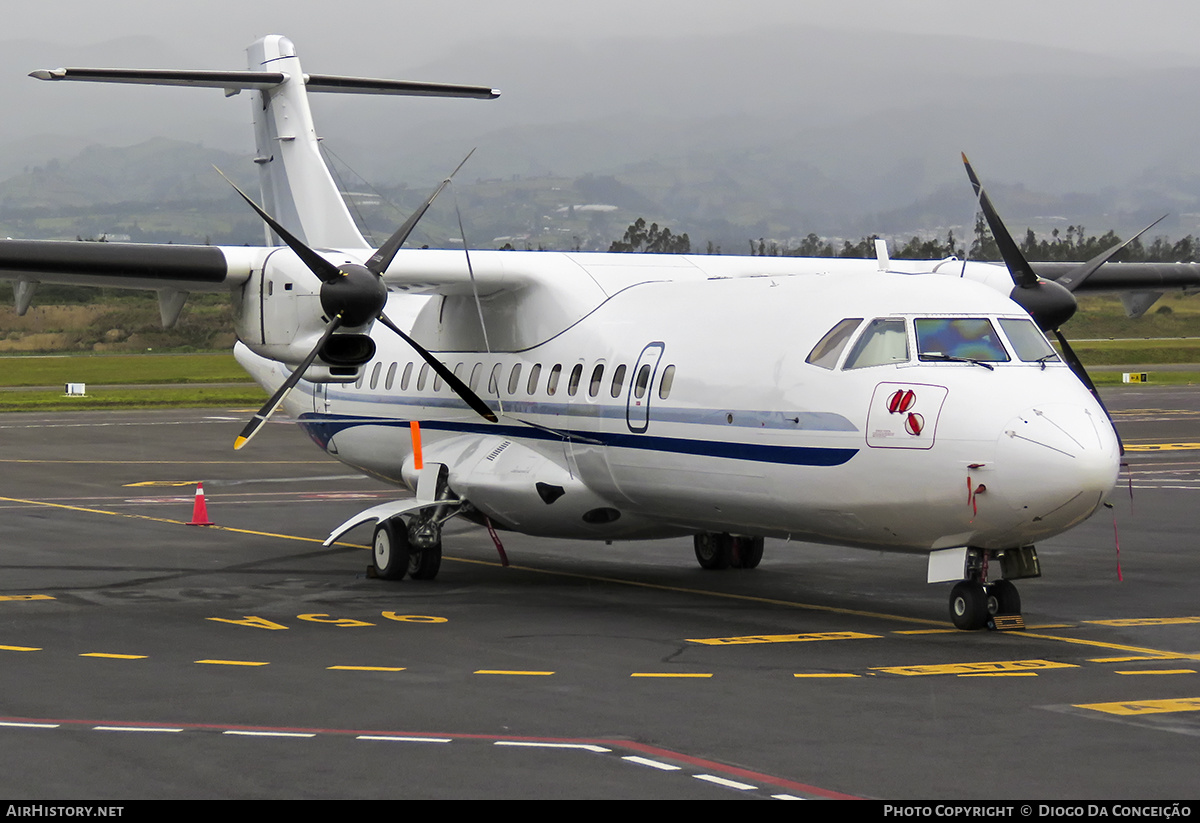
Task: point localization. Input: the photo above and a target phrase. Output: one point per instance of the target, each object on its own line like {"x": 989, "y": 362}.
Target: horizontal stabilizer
{"x": 234, "y": 81}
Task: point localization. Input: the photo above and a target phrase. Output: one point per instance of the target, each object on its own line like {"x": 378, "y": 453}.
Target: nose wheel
{"x": 974, "y": 605}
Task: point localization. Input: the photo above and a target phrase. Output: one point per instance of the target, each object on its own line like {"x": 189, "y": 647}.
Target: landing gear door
{"x": 637, "y": 405}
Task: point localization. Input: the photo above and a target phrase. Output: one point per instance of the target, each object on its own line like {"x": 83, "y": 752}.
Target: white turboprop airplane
{"x": 901, "y": 406}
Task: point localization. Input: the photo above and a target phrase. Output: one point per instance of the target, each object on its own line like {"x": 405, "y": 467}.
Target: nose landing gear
{"x": 975, "y": 603}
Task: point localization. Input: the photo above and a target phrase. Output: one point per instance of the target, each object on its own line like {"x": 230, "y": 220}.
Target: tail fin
{"x": 296, "y": 185}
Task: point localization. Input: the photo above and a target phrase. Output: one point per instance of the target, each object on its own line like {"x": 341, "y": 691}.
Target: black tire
{"x": 390, "y": 550}
{"x": 1003, "y": 598}
{"x": 713, "y": 551}
{"x": 747, "y": 552}
{"x": 968, "y": 605}
{"x": 424, "y": 565}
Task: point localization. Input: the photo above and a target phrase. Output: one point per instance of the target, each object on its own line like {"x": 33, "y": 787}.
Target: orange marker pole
{"x": 418, "y": 459}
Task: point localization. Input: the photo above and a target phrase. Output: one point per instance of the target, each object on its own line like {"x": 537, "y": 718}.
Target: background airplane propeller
{"x": 353, "y": 295}
{"x": 1050, "y": 303}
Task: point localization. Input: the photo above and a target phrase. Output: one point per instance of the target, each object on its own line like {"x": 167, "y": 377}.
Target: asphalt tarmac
{"x": 141, "y": 657}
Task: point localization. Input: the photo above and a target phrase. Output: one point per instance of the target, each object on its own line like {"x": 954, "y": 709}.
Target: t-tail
{"x": 297, "y": 188}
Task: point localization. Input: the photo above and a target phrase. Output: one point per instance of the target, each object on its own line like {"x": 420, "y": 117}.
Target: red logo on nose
{"x": 901, "y": 401}
{"x": 914, "y": 424}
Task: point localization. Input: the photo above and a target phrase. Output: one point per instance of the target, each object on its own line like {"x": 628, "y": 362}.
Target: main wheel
{"x": 968, "y": 605}
{"x": 390, "y": 551}
{"x": 713, "y": 551}
{"x": 747, "y": 552}
{"x": 1003, "y": 598}
{"x": 424, "y": 564}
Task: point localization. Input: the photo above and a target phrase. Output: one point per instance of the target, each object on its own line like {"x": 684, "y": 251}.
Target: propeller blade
{"x": 1077, "y": 367}
{"x": 383, "y": 256}
{"x": 264, "y": 414}
{"x": 457, "y": 386}
{"x": 1073, "y": 279}
{"x": 317, "y": 264}
{"x": 1018, "y": 267}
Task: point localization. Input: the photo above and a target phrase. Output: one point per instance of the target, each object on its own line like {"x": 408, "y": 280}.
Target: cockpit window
{"x": 884, "y": 342}
{"x": 972, "y": 339}
{"x": 827, "y": 351}
{"x": 1030, "y": 344}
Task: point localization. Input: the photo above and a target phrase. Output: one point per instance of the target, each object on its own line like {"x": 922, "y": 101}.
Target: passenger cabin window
{"x": 494, "y": 380}
{"x": 552, "y": 382}
{"x": 668, "y": 380}
{"x": 883, "y": 343}
{"x": 391, "y": 376}
{"x": 535, "y": 374}
{"x": 827, "y": 351}
{"x": 618, "y": 383}
{"x": 375, "y": 375}
{"x": 596, "y": 381}
{"x": 422, "y": 376}
{"x": 643, "y": 380}
{"x": 514, "y": 379}
{"x": 573, "y": 381}
{"x": 958, "y": 338}
{"x": 406, "y": 376}
{"x": 1027, "y": 341}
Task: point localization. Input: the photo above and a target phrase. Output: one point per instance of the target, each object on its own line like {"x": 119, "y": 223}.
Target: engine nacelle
{"x": 278, "y": 315}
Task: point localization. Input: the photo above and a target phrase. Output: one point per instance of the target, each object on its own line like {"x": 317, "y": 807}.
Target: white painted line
{"x": 267, "y": 734}
{"x": 30, "y": 725}
{"x": 654, "y": 764}
{"x": 785, "y": 797}
{"x": 132, "y": 729}
{"x": 721, "y": 781}
{"x": 585, "y": 746}
{"x": 405, "y": 739}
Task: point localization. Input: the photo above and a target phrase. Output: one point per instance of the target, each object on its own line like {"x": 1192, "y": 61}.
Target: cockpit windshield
{"x": 965, "y": 339}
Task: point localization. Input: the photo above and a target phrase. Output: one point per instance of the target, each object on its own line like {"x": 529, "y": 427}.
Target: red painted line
{"x": 628, "y": 745}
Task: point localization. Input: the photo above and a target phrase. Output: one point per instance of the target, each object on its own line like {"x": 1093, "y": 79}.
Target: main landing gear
{"x": 976, "y": 603}
{"x": 726, "y": 551}
{"x": 414, "y": 549}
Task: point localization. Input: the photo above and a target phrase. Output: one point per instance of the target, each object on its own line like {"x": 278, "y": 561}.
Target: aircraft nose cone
{"x": 1059, "y": 462}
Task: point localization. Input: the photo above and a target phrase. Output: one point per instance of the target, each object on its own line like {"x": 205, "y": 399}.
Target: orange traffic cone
{"x": 199, "y": 510}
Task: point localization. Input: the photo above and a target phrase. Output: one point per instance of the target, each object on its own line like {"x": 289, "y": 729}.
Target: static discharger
{"x": 199, "y": 509}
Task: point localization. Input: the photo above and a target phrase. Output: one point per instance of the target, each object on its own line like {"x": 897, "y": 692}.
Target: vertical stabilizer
{"x": 296, "y": 185}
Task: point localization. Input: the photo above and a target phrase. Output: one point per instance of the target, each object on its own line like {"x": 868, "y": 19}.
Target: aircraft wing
{"x": 127, "y": 265}
{"x": 1120, "y": 277}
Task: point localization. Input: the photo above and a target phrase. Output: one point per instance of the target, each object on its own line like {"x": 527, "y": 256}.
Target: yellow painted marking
{"x": 233, "y": 662}
{"x": 999, "y": 667}
{"x": 26, "y": 597}
{"x": 669, "y": 674}
{"x": 783, "y": 638}
{"x": 251, "y": 621}
{"x": 925, "y": 631}
{"x": 1146, "y": 621}
{"x": 1153, "y": 653}
{"x": 1000, "y": 674}
{"x": 831, "y": 674}
{"x": 161, "y": 483}
{"x": 343, "y": 622}
{"x": 1159, "y": 671}
{"x": 505, "y": 671}
{"x": 115, "y": 656}
{"x": 19, "y": 649}
{"x": 366, "y": 668}
{"x": 1134, "y": 707}
{"x": 414, "y": 618}
{"x": 1138, "y": 658}
{"x": 1161, "y": 447}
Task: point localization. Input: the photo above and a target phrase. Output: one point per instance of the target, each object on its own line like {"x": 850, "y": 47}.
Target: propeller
{"x": 354, "y": 295}
{"x": 1050, "y": 303}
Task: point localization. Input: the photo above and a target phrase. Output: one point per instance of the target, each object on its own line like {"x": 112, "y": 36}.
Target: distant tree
{"x": 654, "y": 240}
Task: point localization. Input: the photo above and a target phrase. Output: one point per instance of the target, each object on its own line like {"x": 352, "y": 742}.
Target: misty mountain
{"x": 778, "y": 132}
